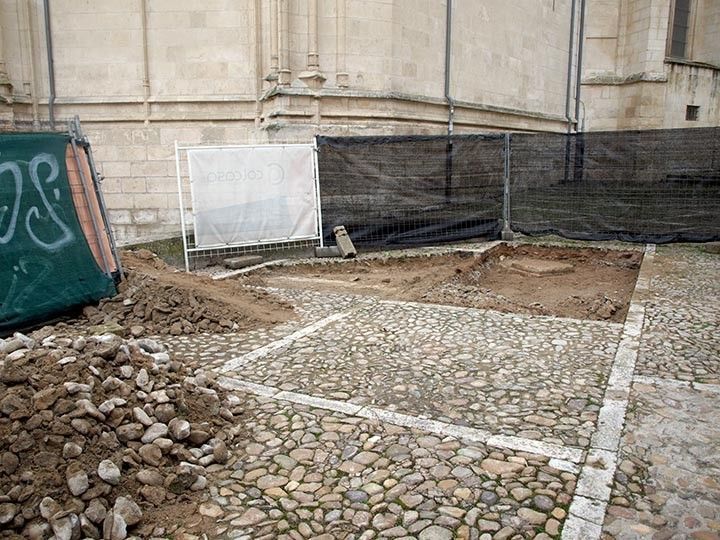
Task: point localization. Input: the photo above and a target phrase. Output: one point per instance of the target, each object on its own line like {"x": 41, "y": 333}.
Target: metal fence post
{"x": 506, "y": 233}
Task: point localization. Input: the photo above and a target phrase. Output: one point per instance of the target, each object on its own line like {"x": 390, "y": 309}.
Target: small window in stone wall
{"x": 692, "y": 112}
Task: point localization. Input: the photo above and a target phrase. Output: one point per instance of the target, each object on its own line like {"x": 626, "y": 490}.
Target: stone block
{"x": 327, "y": 252}
{"x": 144, "y": 217}
{"x": 236, "y": 263}
{"x": 143, "y": 169}
{"x": 120, "y": 217}
{"x": 344, "y": 244}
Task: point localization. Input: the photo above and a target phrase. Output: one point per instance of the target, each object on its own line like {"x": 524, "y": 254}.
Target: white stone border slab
{"x": 482, "y": 311}
{"x": 235, "y": 363}
{"x": 676, "y": 383}
{"x": 563, "y": 453}
{"x": 240, "y": 271}
{"x": 425, "y": 424}
{"x": 592, "y": 493}
{"x": 565, "y": 457}
{"x": 563, "y": 465}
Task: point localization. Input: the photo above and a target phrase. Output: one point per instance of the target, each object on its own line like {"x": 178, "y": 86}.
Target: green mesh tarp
{"x": 46, "y": 266}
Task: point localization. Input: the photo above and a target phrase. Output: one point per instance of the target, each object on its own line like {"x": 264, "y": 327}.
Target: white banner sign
{"x": 244, "y": 195}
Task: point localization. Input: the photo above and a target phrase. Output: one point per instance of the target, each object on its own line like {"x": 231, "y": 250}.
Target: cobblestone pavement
{"x": 680, "y": 339}
{"x": 668, "y": 481}
{"x": 369, "y": 418}
{"x": 214, "y": 350}
{"x": 310, "y": 473}
{"x": 539, "y": 378}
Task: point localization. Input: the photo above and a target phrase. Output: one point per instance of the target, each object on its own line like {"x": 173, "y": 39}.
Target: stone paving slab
{"x": 302, "y": 472}
{"x": 534, "y": 377}
{"x": 680, "y": 338}
{"x": 668, "y": 481}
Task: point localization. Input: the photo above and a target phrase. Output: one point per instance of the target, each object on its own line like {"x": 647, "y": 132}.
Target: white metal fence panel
{"x": 253, "y": 194}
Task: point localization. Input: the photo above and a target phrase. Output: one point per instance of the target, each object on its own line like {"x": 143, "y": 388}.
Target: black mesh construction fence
{"x": 644, "y": 186}
{"x": 411, "y": 190}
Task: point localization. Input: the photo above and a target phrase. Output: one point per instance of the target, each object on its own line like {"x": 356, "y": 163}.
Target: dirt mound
{"x": 103, "y": 437}
{"x": 596, "y": 284}
{"x": 156, "y": 299}
{"x": 583, "y": 283}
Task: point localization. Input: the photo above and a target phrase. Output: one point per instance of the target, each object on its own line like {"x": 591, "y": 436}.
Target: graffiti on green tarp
{"x": 46, "y": 265}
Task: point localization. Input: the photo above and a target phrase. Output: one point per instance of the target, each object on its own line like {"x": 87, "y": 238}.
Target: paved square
{"x": 370, "y": 418}
{"x": 540, "y": 378}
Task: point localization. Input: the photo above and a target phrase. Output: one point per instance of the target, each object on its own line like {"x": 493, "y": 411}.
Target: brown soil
{"x": 157, "y": 299}
{"x": 598, "y": 286}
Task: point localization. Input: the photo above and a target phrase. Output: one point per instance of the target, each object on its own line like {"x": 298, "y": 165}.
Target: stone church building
{"x": 142, "y": 74}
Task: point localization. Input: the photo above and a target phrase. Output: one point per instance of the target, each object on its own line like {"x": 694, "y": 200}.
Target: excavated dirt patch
{"x": 568, "y": 282}
{"x": 156, "y": 299}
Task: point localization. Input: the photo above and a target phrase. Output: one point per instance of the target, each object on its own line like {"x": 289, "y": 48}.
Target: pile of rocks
{"x": 97, "y": 432}
{"x": 156, "y": 299}
{"x": 143, "y": 306}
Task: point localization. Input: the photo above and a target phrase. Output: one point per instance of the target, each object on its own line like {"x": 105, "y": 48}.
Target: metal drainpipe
{"x": 571, "y": 44}
{"x": 569, "y": 69}
{"x": 448, "y": 98}
{"x": 579, "y": 137}
{"x": 578, "y": 78}
{"x": 51, "y": 65}
{"x": 448, "y": 45}
{"x": 146, "y": 63}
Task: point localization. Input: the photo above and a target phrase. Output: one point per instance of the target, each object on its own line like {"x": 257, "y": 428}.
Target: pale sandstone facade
{"x": 628, "y": 80}
{"x": 142, "y": 74}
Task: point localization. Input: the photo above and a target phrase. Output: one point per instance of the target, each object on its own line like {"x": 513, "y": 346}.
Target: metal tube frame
{"x": 316, "y": 183}
{"x": 83, "y": 142}
{"x": 261, "y": 242}
{"x": 507, "y": 233}
{"x": 86, "y": 195}
{"x": 224, "y": 146}
{"x": 182, "y": 207}
{"x": 318, "y": 205}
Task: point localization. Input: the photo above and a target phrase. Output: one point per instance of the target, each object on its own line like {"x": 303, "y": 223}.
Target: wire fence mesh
{"x": 409, "y": 190}
{"x": 644, "y": 186}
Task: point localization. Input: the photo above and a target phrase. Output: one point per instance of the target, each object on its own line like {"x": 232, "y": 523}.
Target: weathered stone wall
{"x": 628, "y": 80}
{"x": 284, "y": 70}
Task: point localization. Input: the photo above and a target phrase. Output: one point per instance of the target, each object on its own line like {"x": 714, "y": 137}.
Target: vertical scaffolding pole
{"x": 506, "y": 233}
{"x": 181, "y": 202}
{"x": 318, "y": 204}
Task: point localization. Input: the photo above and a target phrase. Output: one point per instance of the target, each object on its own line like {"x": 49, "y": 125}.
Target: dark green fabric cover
{"x": 46, "y": 265}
